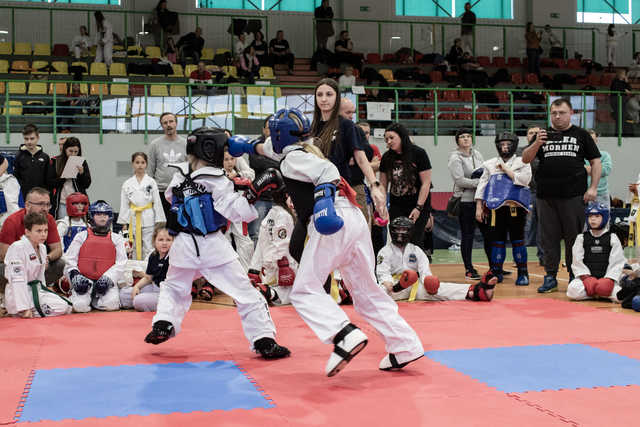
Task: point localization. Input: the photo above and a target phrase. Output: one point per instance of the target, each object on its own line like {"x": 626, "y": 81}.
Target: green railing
{"x": 433, "y": 111}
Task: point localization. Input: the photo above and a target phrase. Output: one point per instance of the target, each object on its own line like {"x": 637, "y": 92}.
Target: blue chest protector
{"x": 3, "y": 203}
{"x": 501, "y": 189}
{"x": 194, "y": 208}
{"x": 71, "y": 233}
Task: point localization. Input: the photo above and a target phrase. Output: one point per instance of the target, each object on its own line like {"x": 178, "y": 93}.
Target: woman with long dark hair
{"x": 261, "y": 48}
{"x": 62, "y": 187}
{"x": 406, "y": 169}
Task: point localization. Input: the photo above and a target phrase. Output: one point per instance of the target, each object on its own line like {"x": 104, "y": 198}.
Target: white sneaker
{"x": 390, "y": 363}
{"x": 347, "y": 343}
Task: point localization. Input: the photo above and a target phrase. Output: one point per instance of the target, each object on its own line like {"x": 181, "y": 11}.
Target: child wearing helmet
{"x": 203, "y": 200}
{"x": 598, "y": 258}
{"x": 95, "y": 262}
{"x": 502, "y": 200}
{"x": 403, "y": 271}
{"x": 338, "y": 238}
{"x": 76, "y": 220}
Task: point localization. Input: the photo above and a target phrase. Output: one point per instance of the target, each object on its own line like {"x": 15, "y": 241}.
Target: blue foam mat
{"x": 79, "y": 393}
{"x": 542, "y": 367}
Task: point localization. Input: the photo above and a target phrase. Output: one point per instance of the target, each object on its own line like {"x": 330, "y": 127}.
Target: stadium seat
{"x": 41, "y": 49}
{"x": 607, "y": 78}
{"x": 514, "y": 62}
{"x": 1, "y": 88}
{"x": 95, "y": 89}
{"x": 20, "y": 67}
{"x": 120, "y": 89}
{"x": 158, "y": 90}
{"x": 177, "y": 90}
{"x": 573, "y": 64}
{"x": 499, "y": 62}
{"x": 388, "y": 58}
{"x": 17, "y": 88}
{"x": 255, "y": 90}
{"x": 503, "y": 97}
{"x": 207, "y": 54}
{"x": 483, "y": 113}
{"x": 436, "y": 76}
{"x": 483, "y": 60}
{"x": 80, "y": 64}
{"x": 516, "y": 78}
{"x": 559, "y": 62}
{"x": 230, "y": 70}
{"x": 270, "y": 91}
{"x": 189, "y": 68}
{"x": 449, "y": 95}
{"x": 222, "y": 51}
{"x": 5, "y": 48}
{"x": 387, "y": 74}
{"x": 177, "y": 70}
{"x": 61, "y": 89}
{"x": 37, "y": 88}
{"x": 61, "y": 67}
{"x": 60, "y": 49}
{"x": 594, "y": 79}
{"x": 22, "y": 49}
{"x": 266, "y": 73}
{"x": 118, "y": 47}
{"x": 373, "y": 58}
{"x": 98, "y": 69}
{"x": 4, "y": 66}
{"x": 117, "y": 69}
{"x": 37, "y": 65}
{"x": 153, "y": 52}
{"x": 84, "y": 89}
{"x": 465, "y": 115}
{"x": 532, "y": 79}
{"x": 466, "y": 96}
{"x": 15, "y": 108}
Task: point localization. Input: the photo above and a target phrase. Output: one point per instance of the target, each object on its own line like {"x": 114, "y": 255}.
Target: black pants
{"x": 287, "y": 58}
{"x": 533, "y": 61}
{"x": 166, "y": 206}
{"x": 468, "y": 224}
{"x": 559, "y": 219}
{"x": 506, "y": 222}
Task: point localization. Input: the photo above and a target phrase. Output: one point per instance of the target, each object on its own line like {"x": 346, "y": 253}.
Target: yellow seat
{"x": 17, "y": 88}
{"x": 222, "y": 51}
{"x": 37, "y": 88}
{"x": 36, "y": 65}
{"x": 80, "y": 64}
{"x": 177, "y": 70}
{"x": 20, "y": 67}
{"x": 134, "y": 52}
{"x": 207, "y": 54}
{"x": 387, "y": 74}
{"x": 84, "y": 89}
{"x": 60, "y": 88}
{"x": 266, "y": 73}
{"x": 269, "y": 91}
{"x": 42, "y": 49}
{"x": 95, "y": 89}
{"x": 188, "y": 69}
{"x": 120, "y": 89}
{"x": 159, "y": 90}
{"x": 15, "y": 108}
{"x": 5, "y": 48}
{"x": 98, "y": 69}
{"x": 230, "y": 70}
{"x": 255, "y": 90}
{"x": 117, "y": 69}
{"x": 61, "y": 67}
{"x": 177, "y": 90}
{"x": 4, "y": 66}
{"x": 117, "y": 47}
{"x": 153, "y": 52}
{"x": 22, "y": 49}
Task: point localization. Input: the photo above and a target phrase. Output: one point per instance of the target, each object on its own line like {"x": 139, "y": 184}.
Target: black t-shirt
{"x": 260, "y": 47}
{"x": 357, "y": 177}
{"x": 343, "y": 147}
{"x": 342, "y": 43}
{"x": 404, "y": 183}
{"x": 467, "y": 18}
{"x": 157, "y": 268}
{"x": 279, "y": 45}
{"x": 561, "y": 171}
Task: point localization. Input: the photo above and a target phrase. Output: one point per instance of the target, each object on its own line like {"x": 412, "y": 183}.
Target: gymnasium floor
{"x": 524, "y": 358}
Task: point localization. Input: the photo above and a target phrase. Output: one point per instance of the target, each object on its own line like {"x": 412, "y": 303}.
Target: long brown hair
{"x": 324, "y": 138}
{"x": 61, "y": 161}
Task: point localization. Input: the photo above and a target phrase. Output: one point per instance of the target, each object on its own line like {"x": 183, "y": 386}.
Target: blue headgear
{"x": 287, "y": 127}
{"x": 597, "y": 209}
{"x": 100, "y": 207}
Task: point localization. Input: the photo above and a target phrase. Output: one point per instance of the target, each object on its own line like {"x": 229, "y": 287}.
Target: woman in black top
{"x": 261, "y": 48}
{"x": 61, "y": 187}
{"x": 406, "y": 168}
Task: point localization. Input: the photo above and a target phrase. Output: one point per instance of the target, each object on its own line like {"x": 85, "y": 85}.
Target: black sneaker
{"x": 162, "y": 331}
{"x": 472, "y": 274}
{"x": 269, "y": 349}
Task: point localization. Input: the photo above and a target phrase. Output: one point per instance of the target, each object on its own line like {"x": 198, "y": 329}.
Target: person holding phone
{"x": 562, "y": 191}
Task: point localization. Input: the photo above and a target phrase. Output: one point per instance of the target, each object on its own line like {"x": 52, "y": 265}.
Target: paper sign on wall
{"x": 379, "y": 110}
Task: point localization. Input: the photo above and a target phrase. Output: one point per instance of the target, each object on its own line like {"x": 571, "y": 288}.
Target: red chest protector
{"x": 97, "y": 255}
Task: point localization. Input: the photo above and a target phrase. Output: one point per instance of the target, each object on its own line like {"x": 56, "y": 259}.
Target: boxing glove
{"x": 325, "y": 217}
{"x": 80, "y": 283}
{"x": 286, "y": 275}
{"x": 408, "y": 278}
{"x": 604, "y": 287}
{"x": 239, "y": 144}
{"x": 254, "y": 277}
{"x": 269, "y": 180}
{"x": 102, "y": 285}
{"x": 431, "y": 284}
{"x": 589, "y": 283}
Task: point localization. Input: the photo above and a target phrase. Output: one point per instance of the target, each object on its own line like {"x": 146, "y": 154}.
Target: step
{"x": 298, "y": 79}
{"x": 300, "y": 72}
{"x": 294, "y": 91}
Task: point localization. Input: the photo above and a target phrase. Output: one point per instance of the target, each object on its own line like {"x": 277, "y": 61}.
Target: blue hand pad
{"x": 139, "y": 390}
{"x": 542, "y": 367}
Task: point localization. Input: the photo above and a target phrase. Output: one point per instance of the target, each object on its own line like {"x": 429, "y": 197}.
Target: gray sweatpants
{"x": 559, "y": 219}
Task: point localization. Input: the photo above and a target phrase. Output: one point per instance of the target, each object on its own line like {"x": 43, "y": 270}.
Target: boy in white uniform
{"x": 401, "y": 264}
{"x": 95, "y": 263}
{"x": 202, "y": 200}
{"x": 10, "y": 196}
{"x": 26, "y": 294}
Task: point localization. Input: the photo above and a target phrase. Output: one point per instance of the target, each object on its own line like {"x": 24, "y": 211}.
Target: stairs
{"x": 302, "y": 75}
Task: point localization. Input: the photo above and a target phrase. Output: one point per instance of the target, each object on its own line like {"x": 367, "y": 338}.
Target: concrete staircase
{"x": 302, "y": 75}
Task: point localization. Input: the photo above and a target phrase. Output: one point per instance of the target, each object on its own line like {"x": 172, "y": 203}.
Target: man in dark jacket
{"x": 191, "y": 45}
{"x": 31, "y": 163}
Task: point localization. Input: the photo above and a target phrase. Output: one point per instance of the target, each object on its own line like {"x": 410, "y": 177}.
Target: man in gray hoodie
{"x": 164, "y": 150}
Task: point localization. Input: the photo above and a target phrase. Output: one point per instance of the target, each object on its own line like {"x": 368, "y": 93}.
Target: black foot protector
{"x": 162, "y": 331}
{"x": 269, "y": 349}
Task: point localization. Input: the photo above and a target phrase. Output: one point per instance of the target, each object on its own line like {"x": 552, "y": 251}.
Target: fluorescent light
{"x": 143, "y": 33}
{"x": 395, "y": 37}
{"x": 4, "y": 32}
{"x": 496, "y": 48}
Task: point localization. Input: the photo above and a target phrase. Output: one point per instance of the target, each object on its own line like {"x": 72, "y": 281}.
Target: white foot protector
{"x": 390, "y": 363}
{"x": 347, "y": 343}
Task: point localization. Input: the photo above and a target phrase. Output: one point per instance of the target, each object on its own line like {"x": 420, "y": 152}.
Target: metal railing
{"x": 242, "y": 108}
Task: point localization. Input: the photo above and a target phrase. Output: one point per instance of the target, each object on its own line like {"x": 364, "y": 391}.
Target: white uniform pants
{"x": 146, "y": 300}
{"x": 51, "y": 304}
{"x": 175, "y": 298}
{"x": 110, "y": 301}
{"x": 147, "y": 241}
{"x": 577, "y": 292}
{"x": 351, "y": 251}
{"x": 446, "y": 292}
{"x": 611, "y": 55}
{"x": 283, "y": 293}
{"x": 104, "y": 53}
{"x": 244, "y": 245}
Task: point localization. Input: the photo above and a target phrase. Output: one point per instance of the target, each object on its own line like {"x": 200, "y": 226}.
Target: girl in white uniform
{"x": 26, "y": 294}
{"x": 203, "y": 199}
{"x": 140, "y": 207}
{"x": 104, "y": 39}
{"x": 338, "y": 238}
{"x": 10, "y": 196}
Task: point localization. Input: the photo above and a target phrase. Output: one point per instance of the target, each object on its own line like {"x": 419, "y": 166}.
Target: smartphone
{"x": 553, "y": 135}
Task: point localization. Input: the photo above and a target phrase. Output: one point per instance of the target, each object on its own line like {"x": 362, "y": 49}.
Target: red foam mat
{"x": 425, "y": 393}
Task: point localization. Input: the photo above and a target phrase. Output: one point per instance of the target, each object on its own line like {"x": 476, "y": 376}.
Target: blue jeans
{"x": 263, "y": 207}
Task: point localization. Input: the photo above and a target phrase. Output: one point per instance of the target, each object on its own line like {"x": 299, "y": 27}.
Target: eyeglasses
{"x": 41, "y": 204}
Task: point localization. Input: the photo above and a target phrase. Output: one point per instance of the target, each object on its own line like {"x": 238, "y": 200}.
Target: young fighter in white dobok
{"x": 10, "y": 196}
{"x": 338, "y": 238}
{"x": 26, "y": 294}
{"x": 202, "y": 200}
{"x": 598, "y": 259}
{"x": 401, "y": 266}
{"x": 95, "y": 263}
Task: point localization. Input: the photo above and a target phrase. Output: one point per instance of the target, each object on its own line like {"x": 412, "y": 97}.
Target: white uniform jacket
{"x": 521, "y": 171}
{"x": 273, "y": 243}
{"x": 393, "y": 260}
{"x": 22, "y": 265}
{"x": 616, "y": 258}
{"x": 11, "y": 189}
{"x": 140, "y": 194}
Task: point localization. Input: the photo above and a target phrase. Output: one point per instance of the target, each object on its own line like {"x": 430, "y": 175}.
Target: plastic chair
{"x": 22, "y": 49}
{"x": 17, "y": 88}
{"x": 20, "y": 67}
{"x": 117, "y": 69}
{"x": 483, "y": 60}
{"x": 373, "y": 58}
{"x": 14, "y": 109}
{"x": 499, "y": 62}
{"x": 514, "y": 62}
{"x": 36, "y": 65}
{"x": 37, "y": 88}
{"x": 95, "y": 89}
{"x": 207, "y": 54}
{"x": 178, "y": 90}
{"x": 177, "y": 70}
{"x": 158, "y": 90}
{"x": 269, "y": 91}
{"x": 60, "y": 88}
{"x": 41, "y": 49}
{"x": 436, "y": 76}
{"x": 4, "y": 66}
{"x": 516, "y": 78}
{"x": 387, "y": 74}
{"x": 189, "y": 68}
{"x": 120, "y": 89}
{"x": 60, "y": 49}
{"x": 98, "y": 69}
{"x": 266, "y": 73}
{"x": 153, "y": 52}
{"x": 5, "y": 48}
{"x": 61, "y": 67}
{"x": 230, "y": 70}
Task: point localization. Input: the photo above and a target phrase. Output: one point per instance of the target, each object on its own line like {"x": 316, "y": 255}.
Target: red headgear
{"x": 72, "y": 211}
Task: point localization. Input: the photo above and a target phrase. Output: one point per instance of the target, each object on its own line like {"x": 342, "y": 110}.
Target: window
{"x": 491, "y": 9}
{"x": 608, "y": 11}
{"x": 285, "y": 5}
{"x": 111, "y": 2}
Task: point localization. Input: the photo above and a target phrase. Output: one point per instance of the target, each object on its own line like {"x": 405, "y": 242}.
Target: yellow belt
{"x": 414, "y": 287}
{"x": 634, "y": 225}
{"x": 137, "y": 210}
